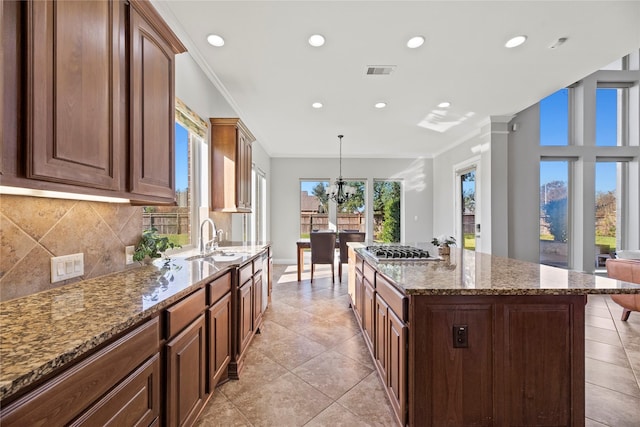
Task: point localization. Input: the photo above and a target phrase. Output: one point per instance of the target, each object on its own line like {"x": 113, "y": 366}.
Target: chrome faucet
{"x": 202, "y": 246}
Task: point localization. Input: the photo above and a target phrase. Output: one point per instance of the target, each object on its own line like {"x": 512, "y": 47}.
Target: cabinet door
{"x": 358, "y": 293}
{"x": 75, "y": 90}
{"x": 368, "y": 313}
{"x": 382, "y": 332}
{"x": 152, "y": 128}
{"x": 186, "y": 375}
{"x": 397, "y": 364}
{"x": 245, "y": 314}
{"x": 257, "y": 301}
{"x": 219, "y": 324}
{"x": 243, "y": 180}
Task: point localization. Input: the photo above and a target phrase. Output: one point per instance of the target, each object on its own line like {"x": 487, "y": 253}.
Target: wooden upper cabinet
{"x": 152, "y": 127}
{"x": 75, "y": 82}
{"x": 230, "y": 165}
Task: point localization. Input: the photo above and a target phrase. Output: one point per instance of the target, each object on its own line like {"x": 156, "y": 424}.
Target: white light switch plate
{"x": 128, "y": 254}
{"x": 67, "y": 267}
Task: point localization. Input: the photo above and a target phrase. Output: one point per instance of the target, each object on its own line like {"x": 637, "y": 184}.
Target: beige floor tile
{"x": 599, "y": 322}
{"x": 336, "y": 415}
{"x": 332, "y": 373}
{"x": 328, "y": 332}
{"x": 591, "y": 423}
{"x": 220, "y": 412}
{"x": 606, "y": 336}
{"x": 289, "y": 353}
{"x": 356, "y": 349}
{"x": 606, "y": 353}
{"x": 258, "y": 370}
{"x": 375, "y": 409}
{"x": 610, "y": 407}
{"x": 611, "y": 376}
{"x": 286, "y": 401}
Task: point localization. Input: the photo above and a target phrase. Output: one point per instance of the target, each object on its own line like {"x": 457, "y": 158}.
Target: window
{"x": 351, "y": 215}
{"x": 608, "y": 121}
{"x": 554, "y": 118}
{"x": 607, "y": 210}
{"x": 554, "y": 213}
{"x": 314, "y": 206}
{"x": 468, "y": 204}
{"x": 258, "y": 221}
{"x": 386, "y": 210}
{"x": 176, "y": 222}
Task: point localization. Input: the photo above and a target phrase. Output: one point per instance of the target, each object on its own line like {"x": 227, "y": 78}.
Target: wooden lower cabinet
{"x": 257, "y": 301}
{"x": 368, "y": 312}
{"x": 245, "y": 315}
{"x": 186, "y": 374}
{"x": 134, "y": 402}
{"x": 397, "y": 365}
{"x": 108, "y": 378}
{"x": 523, "y": 363}
{"x": 219, "y": 330}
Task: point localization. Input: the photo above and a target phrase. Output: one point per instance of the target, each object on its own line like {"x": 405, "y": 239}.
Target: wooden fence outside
{"x": 166, "y": 222}
{"x": 313, "y": 221}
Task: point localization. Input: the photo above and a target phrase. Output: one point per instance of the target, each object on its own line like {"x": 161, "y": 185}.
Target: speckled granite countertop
{"x": 44, "y": 331}
{"x": 473, "y": 273}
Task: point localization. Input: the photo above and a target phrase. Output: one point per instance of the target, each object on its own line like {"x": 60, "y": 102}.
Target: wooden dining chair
{"x": 323, "y": 250}
{"x": 344, "y": 237}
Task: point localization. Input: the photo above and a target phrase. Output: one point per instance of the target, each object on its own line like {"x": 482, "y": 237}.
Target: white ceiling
{"x": 270, "y": 74}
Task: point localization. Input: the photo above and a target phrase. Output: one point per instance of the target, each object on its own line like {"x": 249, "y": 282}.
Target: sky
{"x": 554, "y": 125}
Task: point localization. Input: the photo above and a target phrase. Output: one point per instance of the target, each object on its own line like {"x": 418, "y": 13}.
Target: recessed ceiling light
{"x": 444, "y": 104}
{"x": 317, "y": 105}
{"x": 516, "y": 41}
{"x": 415, "y": 42}
{"x": 215, "y": 40}
{"x": 380, "y": 104}
{"x": 316, "y": 40}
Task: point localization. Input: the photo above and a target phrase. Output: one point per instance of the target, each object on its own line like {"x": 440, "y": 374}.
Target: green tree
{"x": 391, "y": 224}
{"x": 556, "y": 211}
{"x": 355, "y": 202}
{"x": 320, "y": 191}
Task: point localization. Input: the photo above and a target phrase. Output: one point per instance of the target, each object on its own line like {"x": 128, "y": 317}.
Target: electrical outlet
{"x": 128, "y": 254}
{"x": 460, "y": 336}
{"x": 67, "y": 267}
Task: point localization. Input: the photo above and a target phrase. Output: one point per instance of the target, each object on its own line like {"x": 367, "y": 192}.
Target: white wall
{"x": 285, "y": 195}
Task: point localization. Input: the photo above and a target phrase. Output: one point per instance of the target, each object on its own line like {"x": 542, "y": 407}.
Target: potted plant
{"x": 443, "y": 244}
{"x": 152, "y": 245}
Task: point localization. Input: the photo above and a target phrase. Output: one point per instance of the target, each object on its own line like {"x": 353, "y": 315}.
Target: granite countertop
{"x": 41, "y": 332}
{"x": 467, "y": 272}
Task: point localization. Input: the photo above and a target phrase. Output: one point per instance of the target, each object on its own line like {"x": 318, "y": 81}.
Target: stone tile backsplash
{"x": 34, "y": 229}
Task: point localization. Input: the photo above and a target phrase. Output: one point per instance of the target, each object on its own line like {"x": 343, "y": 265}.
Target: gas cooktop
{"x": 398, "y": 253}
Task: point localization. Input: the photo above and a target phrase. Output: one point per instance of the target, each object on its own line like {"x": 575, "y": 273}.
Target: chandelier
{"x": 340, "y": 191}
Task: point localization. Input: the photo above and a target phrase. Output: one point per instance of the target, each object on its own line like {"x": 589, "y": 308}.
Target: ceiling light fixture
{"x": 340, "y": 191}
{"x": 317, "y": 105}
{"x": 215, "y": 40}
{"x": 415, "y": 42}
{"x": 515, "y": 41}
{"x": 444, "y": 104}
{"x": 380, "y": 104}
{"x": 316, "y": 40}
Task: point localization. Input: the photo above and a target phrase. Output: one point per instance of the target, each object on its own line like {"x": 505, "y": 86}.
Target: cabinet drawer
{"x": 246, "y": 272}
{"x": 135, "y": 401}
{"x": 396, "y": 300}
{"x": 369, "y": 273}
{"x": 64, "y": 397}
{"x": 359, "y": 264}
{"x": 184, "y": 312}
{"x": 219, "y": 287}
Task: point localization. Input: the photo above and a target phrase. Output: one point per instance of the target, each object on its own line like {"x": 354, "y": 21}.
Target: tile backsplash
{"x": 34, "y": 229}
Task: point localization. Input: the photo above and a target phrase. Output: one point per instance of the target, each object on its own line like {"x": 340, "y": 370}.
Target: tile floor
{"x": 310, "y": 366}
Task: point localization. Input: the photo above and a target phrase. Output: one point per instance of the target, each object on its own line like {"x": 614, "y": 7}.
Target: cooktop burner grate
{"x": 397, "y": 253}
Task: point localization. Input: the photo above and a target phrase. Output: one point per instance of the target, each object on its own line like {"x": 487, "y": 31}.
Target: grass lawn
{"x": 178, "y": 239}
{"x": 607, "y": 240}
{"x": 469, "y": 241}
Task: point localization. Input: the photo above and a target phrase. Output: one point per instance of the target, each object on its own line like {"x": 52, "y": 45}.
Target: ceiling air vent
{"x": 380, "y": 70}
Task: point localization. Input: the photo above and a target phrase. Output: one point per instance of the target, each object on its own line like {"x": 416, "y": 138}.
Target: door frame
{"x": 460, "y": 169}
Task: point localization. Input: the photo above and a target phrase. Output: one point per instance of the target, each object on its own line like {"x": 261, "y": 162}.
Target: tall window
{"x": 314, "y": 206}
{"x": 554, "y": 118}
{"x": 554, "y": 213}
{"x": 607, "y": 211}
{"x": 176, "y": 222}
{"x": 608, "y": 129}
{"x": 258, "y": 221}
{"x": 351, "y": 215}
{"x": 386, "y": 210}
{"x": 468, "y": 204}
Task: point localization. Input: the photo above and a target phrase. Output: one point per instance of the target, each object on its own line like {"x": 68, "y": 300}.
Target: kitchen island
{"x": 147, "y": 345}
{"x": 476, "y": 339}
